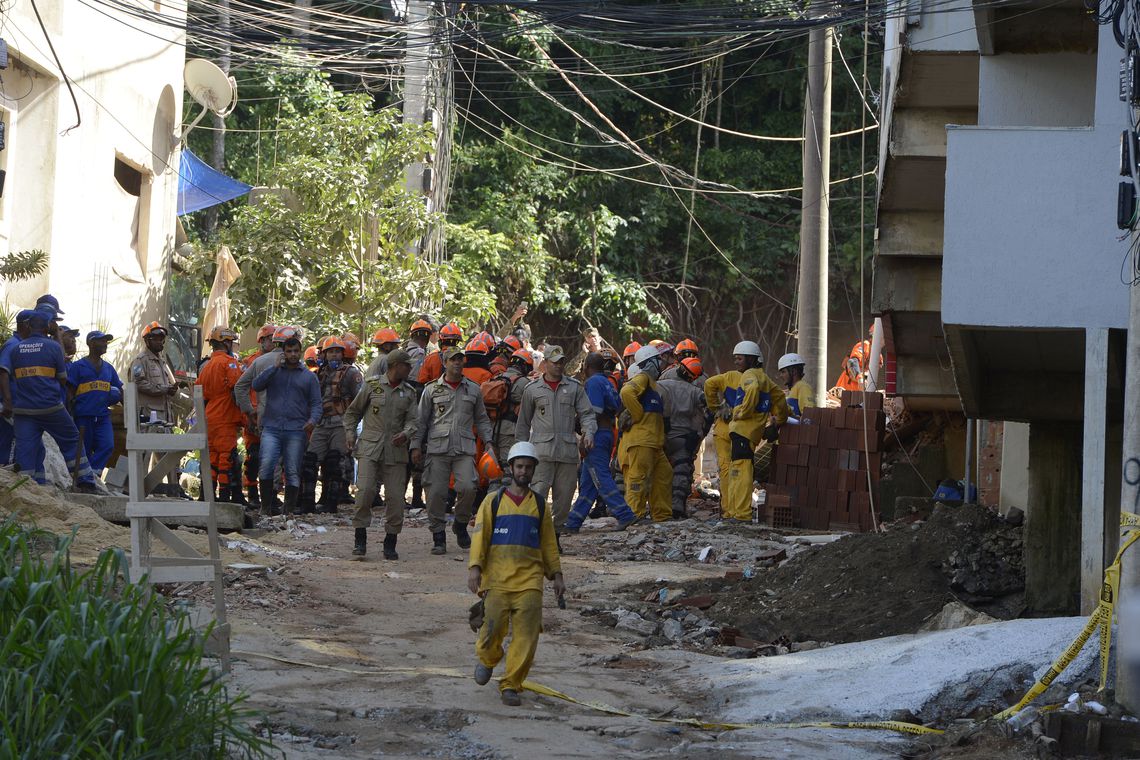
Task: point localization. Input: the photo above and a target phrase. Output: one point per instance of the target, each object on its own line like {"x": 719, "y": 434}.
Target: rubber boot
{"x": 461, "y": 536}
{"x": 417, "y": 493}
{"x": 253, "y": 497}
{"x": 390, "y": 546}
{"x": 269, "y": 497}
{"x": 439, "y": 542}
{"x": 292, "y": 494}
{"x": 236, "y": 496}
{"x": 361, "y": 547}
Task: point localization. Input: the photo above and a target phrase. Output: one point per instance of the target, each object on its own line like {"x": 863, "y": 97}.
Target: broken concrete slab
{"x": 113, "y": 508}
{"x": 956, "y": 615}
{"x": 826, "y": 538}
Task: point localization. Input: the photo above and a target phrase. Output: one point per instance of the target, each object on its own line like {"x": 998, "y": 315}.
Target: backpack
{"x": 496, "y": 394}
{"x": 499, "y": 497}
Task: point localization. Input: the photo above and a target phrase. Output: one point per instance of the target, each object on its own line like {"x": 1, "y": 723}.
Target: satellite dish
{"x": 211, "y": 87}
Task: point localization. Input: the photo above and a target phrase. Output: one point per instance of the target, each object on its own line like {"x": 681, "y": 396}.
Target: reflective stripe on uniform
{"x": 93, "y": 385}
{"x": 21, "y": 372}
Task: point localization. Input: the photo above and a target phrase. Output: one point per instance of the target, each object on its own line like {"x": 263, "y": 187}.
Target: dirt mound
{"x": 870, "y": 585}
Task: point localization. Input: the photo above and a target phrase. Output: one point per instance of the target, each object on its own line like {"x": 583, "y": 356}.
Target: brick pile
{"x": 819, "y": 477}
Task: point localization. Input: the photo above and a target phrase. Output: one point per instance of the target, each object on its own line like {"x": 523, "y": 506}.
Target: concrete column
{"x": 1093, "y": 470}
{"x": 1014, "y": 467}
{"x": 1053, "y": 520}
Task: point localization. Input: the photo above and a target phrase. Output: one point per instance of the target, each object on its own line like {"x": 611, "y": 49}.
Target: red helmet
{"x": 693, "y": 365}
{"x": 266, "y": 331}
{"x": 329, "y": 341}
{"x": 687, "y": 347}
{"x": 153, "y": 327}
{"x": 479, "y": 345}
{"x": 450, "y": 333}
{"x": 524, "y": 356}
{"x": 220, "y": 333}
{"x": 488, "y": 468}
{"x": 284, "y": 333}
{"x": 421, "y": 325}
{"x": 351, "y": 345}
{"x": 508, "y": 345}
{"x": 630, "y": 350}
{"x": 311, "y": 355}
{"x": 385, "y": 335}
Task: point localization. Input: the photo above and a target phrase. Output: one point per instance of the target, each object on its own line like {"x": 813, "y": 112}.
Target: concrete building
{"x": 999, "y": 261}
{"x": 100, "y": 198}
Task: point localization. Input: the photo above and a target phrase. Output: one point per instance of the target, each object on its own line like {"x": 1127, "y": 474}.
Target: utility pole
{"x": 416, "y": 55}
{"x": 812, "y": 296}
{"x": 1128, "y": 605}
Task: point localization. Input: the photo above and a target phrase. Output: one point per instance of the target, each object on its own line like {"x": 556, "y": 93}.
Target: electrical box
{"x": 1128, "y": 153}
{"x": 1126, "y": 205}
{"x": 3, "y": 54}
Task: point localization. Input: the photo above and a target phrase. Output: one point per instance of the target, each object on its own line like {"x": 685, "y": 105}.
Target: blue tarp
{"x": 201, "y": 185}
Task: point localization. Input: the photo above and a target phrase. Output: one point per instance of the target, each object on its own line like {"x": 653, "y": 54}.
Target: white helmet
{"x": 522, "y": 449}
{"x": 749, "y": 348}
{"x": 645, "y": 353}
{"x": 790, "y": 360}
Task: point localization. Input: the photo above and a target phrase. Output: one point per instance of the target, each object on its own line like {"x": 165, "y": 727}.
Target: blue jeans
{"x": 288, "y": 446}
{"x": 594, "y": 480}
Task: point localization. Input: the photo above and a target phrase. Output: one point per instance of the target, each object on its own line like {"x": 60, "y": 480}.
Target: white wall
{"x": 941, "y": 28}
{"x": 128, "y": 82}
{"x": 1045, "y": 90}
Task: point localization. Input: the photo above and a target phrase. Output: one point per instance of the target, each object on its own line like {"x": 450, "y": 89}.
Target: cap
{"x": 399, "y": 356}
{"x": 40, "y": 316}
{"x": 24, "y": 315}
{"x": 48, "y": 299}
{"x": 65, "y": 330}
{"x": 99, "y": 335}
{"x": 554, "y": 353}
{"x": 450, "y": 351}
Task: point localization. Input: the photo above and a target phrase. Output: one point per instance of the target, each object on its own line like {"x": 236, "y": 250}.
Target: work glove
{"x": 724, "y": 413}
{"x": 771, "y": 433}
{"x": 625, "y": 421}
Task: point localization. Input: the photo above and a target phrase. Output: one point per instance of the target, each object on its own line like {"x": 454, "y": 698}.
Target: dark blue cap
{"x": 65, "y": 330}
{"x": 99, "y": 334}
{"x": 49, "y": 300}
{"x": 24, "y": 315}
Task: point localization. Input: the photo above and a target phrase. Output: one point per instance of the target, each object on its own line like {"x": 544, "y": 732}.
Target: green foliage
{"x": 23, "y": 265}
{"x": 92, "y": 666}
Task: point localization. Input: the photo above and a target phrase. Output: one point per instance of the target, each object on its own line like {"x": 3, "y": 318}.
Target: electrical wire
{"x": 62, "y": 73}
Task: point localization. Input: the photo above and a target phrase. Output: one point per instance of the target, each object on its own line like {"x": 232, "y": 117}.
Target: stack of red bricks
{"x": 827, "y": 468}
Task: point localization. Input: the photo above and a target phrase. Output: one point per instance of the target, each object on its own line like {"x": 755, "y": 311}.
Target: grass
{"x": 92, "y": 666}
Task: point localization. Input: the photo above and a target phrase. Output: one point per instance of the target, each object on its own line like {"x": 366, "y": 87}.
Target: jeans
{"x": 287, "y": 446}
{"x": 595, "y": 480}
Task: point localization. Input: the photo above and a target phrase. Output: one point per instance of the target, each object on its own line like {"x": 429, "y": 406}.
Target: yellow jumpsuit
{"x": 800, "y": 397}
{"x": 515, "y": 548}
{"x": 645, "y": 468}
{"x": 763, "y": 401}
{"x": 723, "y": 389}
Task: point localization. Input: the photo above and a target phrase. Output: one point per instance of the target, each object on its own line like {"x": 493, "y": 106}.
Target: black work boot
{"x": 236, "y": 496}
{"x": 292, "y": 494}
{"x": 390, "y": 546}
{"x": 361, "y": 547}
{"x": 269, "y": 497}
{"x": 461, "y": 536}
{"x": 253, "y": 497}
{"x": 439, "y": 542}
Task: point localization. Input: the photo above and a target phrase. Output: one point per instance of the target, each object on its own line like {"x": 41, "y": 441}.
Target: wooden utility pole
{"x": 813, "y": 291}
{"x": 417, "y": 49}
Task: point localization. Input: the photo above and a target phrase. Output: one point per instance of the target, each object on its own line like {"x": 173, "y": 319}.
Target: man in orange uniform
{"x": 250, "y": 435}
{"x": 218, "y": 377}
{"x": 855, "y": 366}
{"x": 432, "y": 367}
{"x": 478, "y": 352}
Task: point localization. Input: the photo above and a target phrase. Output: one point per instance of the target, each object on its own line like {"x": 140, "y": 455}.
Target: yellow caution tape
{"x": 1129, "y": 520}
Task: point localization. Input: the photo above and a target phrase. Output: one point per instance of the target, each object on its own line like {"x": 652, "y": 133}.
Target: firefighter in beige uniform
{"x": 549, "y": 408}
{"x": 451, "y": 411}
{"x": 152, "y": 376}
{"x": 388, "y": 408}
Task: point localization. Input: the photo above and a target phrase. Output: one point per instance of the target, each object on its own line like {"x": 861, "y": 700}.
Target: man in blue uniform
{"x": 30, "y": 387}
{"x": 95, "y": 387}
{"x": 594, "y": 477}
{"x": 7, "y": 435}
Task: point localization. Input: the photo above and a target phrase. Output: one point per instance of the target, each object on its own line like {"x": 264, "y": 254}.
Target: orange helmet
{"x": 508, "y": 345}
{"x": 266, "y": 331}
{"x": 385, "y": 335}
{"x": 153, "y": 327}
{"x": 311, "y": 356}
{"x": 330, "y": 341}
{"x": 450, "y": 333}
{"x": 488, "y": 468}
{"x": 524, "y": 356}
{"x": 687, "y": 348}
{"x": 479, "y": 345}
{"x": 630, "y": 350}
{"x": 351, "y": 345}
{"x": 284, "y": 333}
{"x": 421, "y": 325}
{"x": 693, "y": 365}
{"x": 220, "y": 332}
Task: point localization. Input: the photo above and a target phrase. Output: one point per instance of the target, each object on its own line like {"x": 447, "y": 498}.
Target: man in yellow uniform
{"x": 722, "y": 395}
{"x": 513, "y": 548}
{"x": 800, "y": 395}
{"x": 645, "y": 468}
{"x": 761, "y": 409}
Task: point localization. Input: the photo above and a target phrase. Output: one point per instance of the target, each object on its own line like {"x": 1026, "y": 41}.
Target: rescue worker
{"x": 34, "y": 376}
{"x": 451, "y": 411}
{"x": 152, "y": 375}
{"x": 218, "y": 377}
{"x": 288, "y": 411}
{"x": 7, "y": 434}
{"x": 722, "y": 395}
{"x": 249, "y": 432}
{"x": 800, "y": 395}
{"x": 504, "y": 350}
{"x": 518, "y": 375}
{"x": 628, "y": 353}
{"x": 514, "y": 548}
{"x": 249, "y": 401}
{"x": 595, "y": 482}
{"x": 351, "y": 347}
{"x": 312, "y": 360}
{"x": 418, "y": 336}
{"x": 340, "y": 382}
{"x": 685, "y": 349}
{"x": 432, "y": 367}
{"x": 550, "y": 407}
{"x": 645, "y": 469}
{"x": 387, "y": 406}
{"x": 688, "y": 424}
{"x": 762, "y": 409}
{"x": 477, "y": 367}
{"x": 855, "y": 366}
{"x": 385, "y": 340}
{"x": 95, "y": 387}
{"x": 67, "y": 336}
